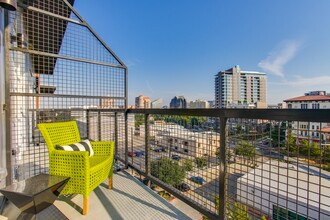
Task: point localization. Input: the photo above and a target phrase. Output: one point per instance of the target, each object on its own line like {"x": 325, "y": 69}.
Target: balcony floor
{"x": 129, "y": 199}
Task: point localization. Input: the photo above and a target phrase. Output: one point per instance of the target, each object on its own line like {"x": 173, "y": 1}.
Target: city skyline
{"x": 175, "y": 48}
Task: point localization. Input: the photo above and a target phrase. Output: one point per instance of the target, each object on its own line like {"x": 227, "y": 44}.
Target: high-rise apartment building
{"x": 158, "y": 103}
{"x": 142, "y": 102}
{"x": 178, "y": 102}
{"x": 234, "y": 87}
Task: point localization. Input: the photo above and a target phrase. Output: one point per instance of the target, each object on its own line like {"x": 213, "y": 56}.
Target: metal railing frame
{"x": 311, "y": 115}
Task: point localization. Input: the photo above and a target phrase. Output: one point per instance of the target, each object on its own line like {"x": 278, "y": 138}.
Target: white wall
{"x": 264, "y": 199}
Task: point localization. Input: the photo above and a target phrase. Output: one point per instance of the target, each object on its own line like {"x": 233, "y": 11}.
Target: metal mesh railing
{"x": 58, "y": 67}
{"x": 272, "y": 168}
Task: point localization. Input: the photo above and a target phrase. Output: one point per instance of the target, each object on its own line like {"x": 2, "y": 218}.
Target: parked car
{"x": 183, "y": 187}
{"x": 176, "y": 157}
{"x": 131, "y": 154}
{"x": 139, "y": 153}
{"x": 159, "y": 149}
{"x": 197, "y": 179}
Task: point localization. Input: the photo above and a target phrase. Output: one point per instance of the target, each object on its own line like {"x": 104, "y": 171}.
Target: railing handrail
{"x": 308, "y": 115}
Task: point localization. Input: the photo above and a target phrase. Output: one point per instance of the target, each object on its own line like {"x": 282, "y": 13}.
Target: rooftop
{"x": 309, "y": 98}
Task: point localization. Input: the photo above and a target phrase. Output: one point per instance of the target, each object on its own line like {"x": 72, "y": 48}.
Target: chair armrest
{"x": 67, "y": 160}
{"x": 103, "y": 148}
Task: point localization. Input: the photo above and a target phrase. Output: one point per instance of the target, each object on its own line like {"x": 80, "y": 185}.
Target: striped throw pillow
{"x": 84, "y": 145}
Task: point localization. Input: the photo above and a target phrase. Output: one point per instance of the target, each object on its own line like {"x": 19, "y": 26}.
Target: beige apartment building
{"x": 142, "y": 101}
{"x": 178, "y": 139}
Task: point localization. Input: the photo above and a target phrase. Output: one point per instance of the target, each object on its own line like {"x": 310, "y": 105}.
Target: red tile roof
{"x": 326, "y": 130}
{"x": 309, "y": 98}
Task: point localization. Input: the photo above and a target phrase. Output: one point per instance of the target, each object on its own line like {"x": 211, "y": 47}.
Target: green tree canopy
{"x": 167, "y": 171}
{"x": 188, "y": 164}
{"x": 200, "y": 162}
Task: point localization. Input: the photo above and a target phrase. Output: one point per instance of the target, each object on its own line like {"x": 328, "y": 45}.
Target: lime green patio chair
{"x": 85, "y": 172}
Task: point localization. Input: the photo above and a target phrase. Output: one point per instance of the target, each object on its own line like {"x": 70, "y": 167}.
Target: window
{"x": 316, "y": 106}
{"x": 304, "y": 106}
{"x": 312, "y": 126}
{"x": 289, "y": 106}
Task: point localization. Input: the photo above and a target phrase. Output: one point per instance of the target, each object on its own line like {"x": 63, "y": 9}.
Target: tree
{"x": 229, "y": 154}
{"x": 278, "y": 133}
{"x": 326, "y": 154}
{"x": 309, "y": 149}
{"x": 167, "y": 171}
{"x": 200, "y": 162}
{"x": 304, "y": 147}
{"x": 238, "y": 212}
{"x": 291, "y": 144}
{"x": 246, "y": 150}
{"x": 238, "y": 129}
{"x": 188, "y": 164}
{"x": 139, "y": 120}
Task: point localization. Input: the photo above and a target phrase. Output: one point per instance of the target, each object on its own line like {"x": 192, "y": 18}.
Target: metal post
{"x": 87, "y": 123}
{"x": 99, "y": 125}
{"x": 116, "y": 136}
{"x": 146, "y": 159}
{"x": 222, "y": 170}
{"x": 126, "y": 139}
{"x": 7, "y": 100}
{"x": 126, "y": 88}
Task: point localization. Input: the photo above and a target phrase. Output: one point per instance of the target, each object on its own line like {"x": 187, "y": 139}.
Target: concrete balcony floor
{"x": 129, "y": 199}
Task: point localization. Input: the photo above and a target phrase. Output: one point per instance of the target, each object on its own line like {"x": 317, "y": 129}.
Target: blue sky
{"x": 175, "y": 47}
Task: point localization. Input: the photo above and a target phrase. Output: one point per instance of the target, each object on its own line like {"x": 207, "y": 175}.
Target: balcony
{"x": 130, "y": 199}
{"x": 235, "y": 161}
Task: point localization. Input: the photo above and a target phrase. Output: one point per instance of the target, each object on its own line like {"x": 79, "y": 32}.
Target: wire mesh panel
{"x": 182, "y": 154}
{"x": 59, "y": 68}
{"x": 277, "y": 169}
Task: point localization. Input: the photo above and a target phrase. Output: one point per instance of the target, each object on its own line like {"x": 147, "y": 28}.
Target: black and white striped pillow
{"x": 84, "y": 145}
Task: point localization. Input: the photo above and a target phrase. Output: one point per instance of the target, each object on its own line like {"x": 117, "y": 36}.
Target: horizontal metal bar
{"x": 178, "y": 195}
{"x": 313, "y": 115}
{"x": 65, "y": 57}
{"x": 64, "y": 96}
{"x": 50, "y": 14}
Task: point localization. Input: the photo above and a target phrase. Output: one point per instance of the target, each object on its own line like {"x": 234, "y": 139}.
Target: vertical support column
{"x": 99, "y": 124}
{"x": 2, "y": 96}
{"x": 126, "y": 139}
{"x": 126, "y": 88}
{"x": 116, "y": 136}
{"x": 222, "y": 170}
{"x": 87, "y": 122}
{"x": 7, "y": 98}
{"x": 146, "y": 159}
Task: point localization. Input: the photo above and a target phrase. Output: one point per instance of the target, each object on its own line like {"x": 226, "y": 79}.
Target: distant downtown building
{"x": 158, "y": 103}
{"x": 178, "y": 102}
{"x": 199, "y": 104}
{"x": 142, "y": 102}
{"x": 234, "y": 87}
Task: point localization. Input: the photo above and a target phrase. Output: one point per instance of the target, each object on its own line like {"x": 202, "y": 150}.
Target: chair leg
{"x": 110, "y": 184}
{"x": 85, "y": 205}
